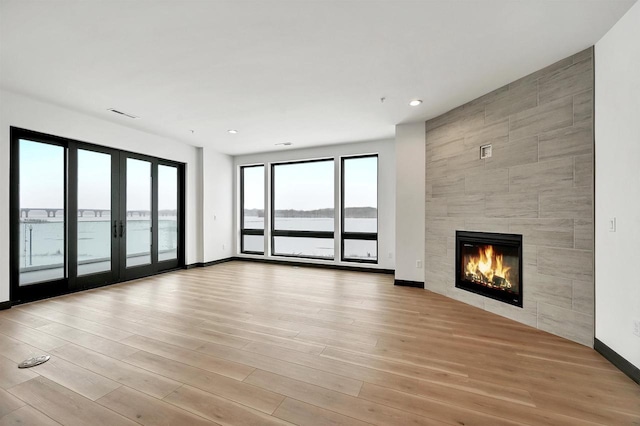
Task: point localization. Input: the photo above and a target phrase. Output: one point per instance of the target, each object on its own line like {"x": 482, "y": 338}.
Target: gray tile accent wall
{"x": 538, "y": 183}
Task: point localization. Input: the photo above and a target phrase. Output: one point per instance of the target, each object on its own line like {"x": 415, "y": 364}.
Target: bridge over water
{"x": 53, "y": 212}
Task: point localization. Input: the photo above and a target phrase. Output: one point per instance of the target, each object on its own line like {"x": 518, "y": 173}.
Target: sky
{"x": 299, "y": 186}
{"x": 41, "y": 175}
{"x": 42, "y": 180}
{"x": 94, "y": 180}
{"x": 138, "y": 184}
{"x": 310, "y": 186}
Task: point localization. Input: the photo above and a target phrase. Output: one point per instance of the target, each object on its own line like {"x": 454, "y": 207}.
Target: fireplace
{"x": 490, "y": 264}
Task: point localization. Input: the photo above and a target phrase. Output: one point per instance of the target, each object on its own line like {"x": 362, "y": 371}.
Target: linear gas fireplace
{"x": 490, "y": 264}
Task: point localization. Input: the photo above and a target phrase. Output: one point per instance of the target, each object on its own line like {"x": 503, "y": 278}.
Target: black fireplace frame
{"x": 512, "y": 240}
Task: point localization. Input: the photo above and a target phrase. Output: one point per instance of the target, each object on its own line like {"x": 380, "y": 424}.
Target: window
{"x": 360, "y": 209}
{"x": 301, "y": 220}
{"x": 252, "y": 208}
{"x": 303, "y": 209}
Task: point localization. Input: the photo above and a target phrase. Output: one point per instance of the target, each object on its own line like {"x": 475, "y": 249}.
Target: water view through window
{"x": 303, "y": 214}
{"x": 94, "y": 212}
{"x": 252, "y": 224}
{"x": 84, "y": 215}
{"x": 42, "y": 218}
{"x": 138, "y": 210}
{"x": 167, "y": 212}
{"x": 360, "y": 208}
{"x": 303, "y": 207}
{"x": 42, "y": 214}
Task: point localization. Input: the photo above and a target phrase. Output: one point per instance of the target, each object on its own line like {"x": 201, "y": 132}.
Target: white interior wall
{"x": 20, "y": 111}
{"x": 386, "y": 192}
{"x": 617, "y": 134}
{"x": 410, "y": 201}
{"x": 217, "y": 205}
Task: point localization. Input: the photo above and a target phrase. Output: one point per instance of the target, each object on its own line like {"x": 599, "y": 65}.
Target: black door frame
{"x": 156, "y": 265}
{"x": 47, "y": 288}
{"x": 100, "y": 278}
{"x": 134, "y": 272}
{"x": 179, "y": 261}
{"x": 71, "y": 282}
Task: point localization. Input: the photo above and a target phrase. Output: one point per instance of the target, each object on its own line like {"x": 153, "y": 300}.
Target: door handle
{"x": 121, "y": 229}
{"x": 115, "y": 229}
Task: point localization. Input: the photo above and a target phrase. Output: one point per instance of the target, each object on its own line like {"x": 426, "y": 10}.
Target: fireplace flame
{"x": 488, "y": 268}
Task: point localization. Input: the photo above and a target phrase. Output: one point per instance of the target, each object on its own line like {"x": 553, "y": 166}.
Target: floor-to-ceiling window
{"x": 83, "y": 215}
{"x": 252, "y": 209}
{"x": 302, "y": 219}
{"x": 360, "y": 208}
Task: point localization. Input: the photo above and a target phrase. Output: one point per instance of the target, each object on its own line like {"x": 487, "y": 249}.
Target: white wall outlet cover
{"x": 636, "y": 327}
{"x": 612, "y": 224}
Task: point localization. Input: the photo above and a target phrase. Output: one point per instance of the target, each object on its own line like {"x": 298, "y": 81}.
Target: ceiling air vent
{"x": 123, "y": 113}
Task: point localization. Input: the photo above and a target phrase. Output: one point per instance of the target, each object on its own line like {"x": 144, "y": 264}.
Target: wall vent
{"x": 123, "y": 113}
{"x": 485, "y": 151}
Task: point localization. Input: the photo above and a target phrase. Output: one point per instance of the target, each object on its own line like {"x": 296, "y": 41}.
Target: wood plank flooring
{"x": 249, "y": 343}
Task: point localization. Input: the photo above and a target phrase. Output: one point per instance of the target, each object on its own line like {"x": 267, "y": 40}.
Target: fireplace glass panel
{"x": 490, "y": 264}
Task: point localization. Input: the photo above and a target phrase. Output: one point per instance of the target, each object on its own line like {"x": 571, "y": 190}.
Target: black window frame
{"x": 358, "y": 236}
{"x": 243, "y": 230}
{"x": 298, "y": 234}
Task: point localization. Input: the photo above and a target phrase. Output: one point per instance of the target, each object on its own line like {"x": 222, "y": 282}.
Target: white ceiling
{"x": 306, "y": 72}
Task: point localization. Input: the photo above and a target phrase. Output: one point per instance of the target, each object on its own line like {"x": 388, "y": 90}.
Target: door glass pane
{"x": 360, "y": 194}
{"x": 167, "y": 212}
{"x": 42, "y": 216}
{"x": 138, "y": 212}
{"x": 94, "y": 212}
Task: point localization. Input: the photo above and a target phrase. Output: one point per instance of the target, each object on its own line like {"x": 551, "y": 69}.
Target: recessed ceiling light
{"x": 284, "y": 144}
{"x": 415, "y": 102}
{"x": 232, "y": 131}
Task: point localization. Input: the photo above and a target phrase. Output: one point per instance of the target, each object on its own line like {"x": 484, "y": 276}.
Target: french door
{"x": 148, "y": 229}
{"x": 84, "y": 216}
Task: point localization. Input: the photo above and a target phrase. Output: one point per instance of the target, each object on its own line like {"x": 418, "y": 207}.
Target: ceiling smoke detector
{"x": 135, "y": 117}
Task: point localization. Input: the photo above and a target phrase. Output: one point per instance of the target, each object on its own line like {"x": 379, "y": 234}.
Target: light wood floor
{"x": 249, "y": 343}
